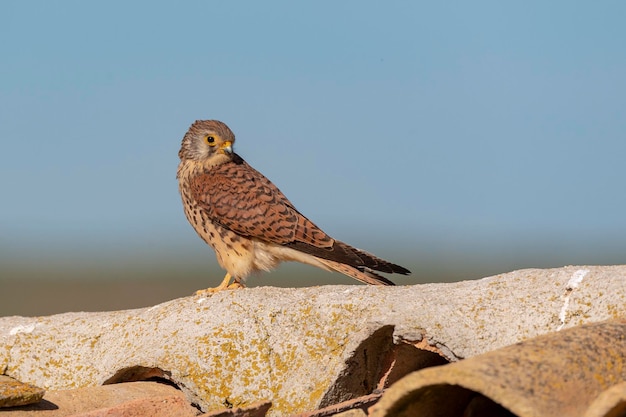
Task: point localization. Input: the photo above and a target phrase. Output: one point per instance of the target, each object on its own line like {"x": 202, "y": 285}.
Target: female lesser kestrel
{"x": 247, "y": 220}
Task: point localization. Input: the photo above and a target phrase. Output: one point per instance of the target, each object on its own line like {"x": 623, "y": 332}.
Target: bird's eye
{"x": 210, "y": 140}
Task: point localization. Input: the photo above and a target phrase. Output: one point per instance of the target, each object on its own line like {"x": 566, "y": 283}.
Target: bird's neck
{"x": 189, "y": 168}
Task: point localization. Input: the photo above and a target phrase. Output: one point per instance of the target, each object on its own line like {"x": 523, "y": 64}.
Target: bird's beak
{"x": 227, "y": 147}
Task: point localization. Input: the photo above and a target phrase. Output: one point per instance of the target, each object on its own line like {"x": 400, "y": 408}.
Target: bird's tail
{"x": 362, "y": 274}
{"x": 348, "y": 260}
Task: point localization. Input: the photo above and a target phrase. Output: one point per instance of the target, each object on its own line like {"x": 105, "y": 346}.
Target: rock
{"x": 610, "y": 403}
{"x": 253, "y": 410}
{"x": 14, "y": 392}
{"x": 304, "y": 349}
{"x": 146, "y": 407}
{"x": 352, "y": 413}
{"x": 124, "y": 400}
{"x": 352, "y": 407}
{"x": 557, "y": 374}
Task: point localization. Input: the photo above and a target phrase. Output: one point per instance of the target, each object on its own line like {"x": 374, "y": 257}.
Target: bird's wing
{"x": 240, "y": 198}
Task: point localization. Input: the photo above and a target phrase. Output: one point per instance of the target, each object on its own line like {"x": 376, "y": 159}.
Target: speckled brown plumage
{"x": 249, "y": 222}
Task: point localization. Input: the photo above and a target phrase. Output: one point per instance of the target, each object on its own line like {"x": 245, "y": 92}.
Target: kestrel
{"x": 248, "y": 221}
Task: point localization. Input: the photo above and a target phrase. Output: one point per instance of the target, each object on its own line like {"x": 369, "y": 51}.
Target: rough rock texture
{"x": 253, "y": 410}
{"x": 610, "y": 403}
{"x": 304, "y": 349}
{"x": 557, "y": 374}
{"x": 131, "y": 399}
{"x": 14, "y": 392}
{"x": 351, "y": 406}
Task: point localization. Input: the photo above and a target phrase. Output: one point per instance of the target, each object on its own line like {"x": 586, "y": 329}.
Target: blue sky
{"x": 459, "y": 124}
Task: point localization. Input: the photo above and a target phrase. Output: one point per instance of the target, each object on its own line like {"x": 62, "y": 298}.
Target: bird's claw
{"x": 225, "y": 285}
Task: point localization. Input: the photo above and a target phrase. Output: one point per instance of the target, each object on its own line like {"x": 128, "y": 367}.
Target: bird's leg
{"x": 223, "y": 286}
{"x": 236, "y": 285}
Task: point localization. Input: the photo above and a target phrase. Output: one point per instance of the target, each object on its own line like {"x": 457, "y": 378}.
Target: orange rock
{"x": 132, "y": 399}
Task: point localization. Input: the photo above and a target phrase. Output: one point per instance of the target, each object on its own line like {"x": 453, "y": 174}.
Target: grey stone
{"x": 303, "y": 349}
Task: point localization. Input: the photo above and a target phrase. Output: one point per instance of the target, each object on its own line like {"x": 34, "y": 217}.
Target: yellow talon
{"x": 223, "y": 286}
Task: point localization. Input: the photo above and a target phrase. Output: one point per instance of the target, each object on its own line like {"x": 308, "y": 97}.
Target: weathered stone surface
{"x": 309, "y": 348}
{"x": 352, "y": 413}
{"x": 557, "y": 374}
{"x": 127, "y": 400}
{"x": 352, "y": 407}
{"x": 253, "y": 410}
{"x": 146, "y": 407}
{"x": 14, "y": 392}
{"x": 610, "y": 403}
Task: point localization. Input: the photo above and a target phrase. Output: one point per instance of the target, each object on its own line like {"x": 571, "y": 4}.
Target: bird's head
{"x": 207, "y": 140}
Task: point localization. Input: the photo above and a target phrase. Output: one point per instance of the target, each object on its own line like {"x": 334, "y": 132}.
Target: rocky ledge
{"x": 527, "y": 343}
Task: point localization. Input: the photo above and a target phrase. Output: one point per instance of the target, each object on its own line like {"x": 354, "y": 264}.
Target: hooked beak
{"x": 227, "y": 147}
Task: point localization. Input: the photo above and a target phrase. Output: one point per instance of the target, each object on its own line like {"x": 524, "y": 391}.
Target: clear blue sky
{"x": 468, "y": 123}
